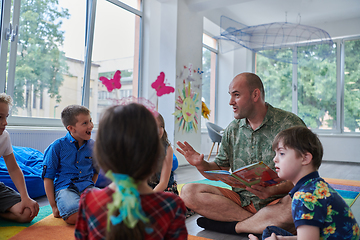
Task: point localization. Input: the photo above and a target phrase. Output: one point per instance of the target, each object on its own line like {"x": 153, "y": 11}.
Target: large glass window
{"x": 42, "y": 72}
{"x": 277, "y": 80}
{"x": 209, "y": 76}
{"x": 46, "y": 68}
{"x": 314, "y": 93}
{"x": 317, "y": 88}
{"x": 352, "y": 86}
{"x": 115, "y": 48}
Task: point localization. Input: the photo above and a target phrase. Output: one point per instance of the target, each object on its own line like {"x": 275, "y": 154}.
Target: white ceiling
{"x": 255, "y": 12}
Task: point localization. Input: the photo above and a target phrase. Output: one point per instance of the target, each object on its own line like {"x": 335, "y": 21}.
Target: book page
{"x": 225, "y": 177}
{"x": 257, "y": 174}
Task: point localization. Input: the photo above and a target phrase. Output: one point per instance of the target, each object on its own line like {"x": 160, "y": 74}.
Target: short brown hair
{"x": 302, "y": 140}
{"x": 69, "y": 114}
{"x": 4, "y": 98}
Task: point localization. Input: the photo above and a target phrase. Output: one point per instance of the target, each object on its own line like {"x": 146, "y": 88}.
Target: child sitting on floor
{"x": 129, "y": 150}
{"x": 13, "y": 206}
{"x": 164, "y": 180}
{"x": 68, "y": 166}
{"x": 318, "y": 210}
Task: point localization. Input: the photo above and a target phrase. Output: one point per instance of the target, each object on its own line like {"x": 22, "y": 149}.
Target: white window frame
{"x": 89, "y": 32}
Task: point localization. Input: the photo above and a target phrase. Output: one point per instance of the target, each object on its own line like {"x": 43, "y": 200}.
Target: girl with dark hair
{"x": 128, "y": 148}
{"x": 164, "y": 180}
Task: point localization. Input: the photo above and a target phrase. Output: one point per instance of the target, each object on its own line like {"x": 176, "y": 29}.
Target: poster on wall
{"x": 187, "y": 104}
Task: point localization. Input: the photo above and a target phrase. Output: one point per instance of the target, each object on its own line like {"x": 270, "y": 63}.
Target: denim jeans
{"x": 67, "y": 201}
{"x": 272, "y": 229}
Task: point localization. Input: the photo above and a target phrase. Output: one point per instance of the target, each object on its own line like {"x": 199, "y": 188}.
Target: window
{"x": 277, "y": 80}
{"x": 115, "y": 48}
{"x": 312, "y": 89}
{"x": 209, "y": 60}
{"x": 352, "y": 86}
{"x": 48, "y": 58}
{"x": 316, "y": 88}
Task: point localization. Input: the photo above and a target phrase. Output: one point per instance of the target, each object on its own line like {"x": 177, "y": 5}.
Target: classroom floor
{"x": 189, "y": 173}
{"x": 349, "y": 171}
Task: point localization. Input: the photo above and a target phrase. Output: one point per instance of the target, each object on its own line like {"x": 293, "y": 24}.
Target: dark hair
{"x": 164, "y": 137}
{"x": 127, "y": 142}
{"x": 69, "y": 114}
{"x": 302, "y": 140}
{"x": 253, "y": 81}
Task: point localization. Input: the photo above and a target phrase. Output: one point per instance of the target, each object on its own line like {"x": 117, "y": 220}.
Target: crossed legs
{"x": 209, "y": 202}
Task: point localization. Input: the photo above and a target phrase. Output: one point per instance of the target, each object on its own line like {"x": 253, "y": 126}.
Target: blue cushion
{"x": 30, "y": 162}
{"x": 175, "y": 163}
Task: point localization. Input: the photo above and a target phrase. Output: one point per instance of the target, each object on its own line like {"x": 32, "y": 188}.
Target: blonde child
{"x": 128, "y": 148}
{"x": 13, "y": 206}
{"x": 318, "y": 210}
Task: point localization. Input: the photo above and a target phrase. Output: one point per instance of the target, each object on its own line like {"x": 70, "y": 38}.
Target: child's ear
{"x": 307, "y": 157}
{"x": 70, "y": 128}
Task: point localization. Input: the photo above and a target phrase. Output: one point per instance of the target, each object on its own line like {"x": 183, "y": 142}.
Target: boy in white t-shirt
{"x": 13, "y": 206}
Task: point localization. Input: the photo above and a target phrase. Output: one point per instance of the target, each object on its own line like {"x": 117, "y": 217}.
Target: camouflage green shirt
{"x": 241, "y": 146}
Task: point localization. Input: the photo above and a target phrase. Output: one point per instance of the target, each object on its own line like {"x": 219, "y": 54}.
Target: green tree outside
{"x": 40, "y": 64}
{"x": 317, "y": 85}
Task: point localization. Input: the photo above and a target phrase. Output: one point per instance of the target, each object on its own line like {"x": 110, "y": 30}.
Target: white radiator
{"x": 39, "y": 139}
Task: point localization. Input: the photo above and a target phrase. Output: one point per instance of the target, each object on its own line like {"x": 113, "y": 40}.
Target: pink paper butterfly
{"x": 112, "y": 83}
{"x": 160, "y": 87}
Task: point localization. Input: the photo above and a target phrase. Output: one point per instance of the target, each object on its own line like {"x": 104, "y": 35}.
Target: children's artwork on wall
{"x": 113, "y": 83}
{"x": 186, "y": 112}
{"x": 160, "y": 86}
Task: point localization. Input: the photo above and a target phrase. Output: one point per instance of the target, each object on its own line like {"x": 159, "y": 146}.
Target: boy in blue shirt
{"x": 68, "y": 167}
{"x": 318, "y": 211}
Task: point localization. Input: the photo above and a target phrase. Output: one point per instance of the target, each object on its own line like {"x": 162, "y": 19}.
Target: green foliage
{"x": 40, "y": 64}
{"x": 277, "y": 80}
{"x": 317, "y": 85}
{"x": 352, "y": 85}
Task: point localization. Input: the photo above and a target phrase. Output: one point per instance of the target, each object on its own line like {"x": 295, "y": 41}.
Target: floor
{"x": 189, "y": 173}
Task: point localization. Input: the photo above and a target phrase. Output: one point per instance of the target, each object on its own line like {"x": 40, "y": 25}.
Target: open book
{"x": 253, "y": 174}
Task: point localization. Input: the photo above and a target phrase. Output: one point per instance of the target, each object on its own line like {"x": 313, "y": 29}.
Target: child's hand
{"x": 261, "y": 192}
{"x": 273, "y": 237}
{"x": 252, "y": 237}
{"x": 32, "y": 205}
{"x": 56, "y": 212}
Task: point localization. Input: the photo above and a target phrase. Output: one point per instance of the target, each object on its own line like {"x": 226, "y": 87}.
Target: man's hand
{"x": 193, "y": 157}
{"x": 261, "y": 192}
{"x": 32, "y": 205}
{"x": 56, "y": 212}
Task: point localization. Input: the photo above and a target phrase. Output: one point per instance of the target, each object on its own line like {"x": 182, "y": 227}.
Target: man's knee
{"x": 186, "y": 192}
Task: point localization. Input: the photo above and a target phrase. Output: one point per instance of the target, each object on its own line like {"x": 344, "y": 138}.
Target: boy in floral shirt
{"x": 318, "y": 211}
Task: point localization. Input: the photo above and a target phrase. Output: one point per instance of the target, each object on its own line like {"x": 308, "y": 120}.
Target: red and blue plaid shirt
{"x": 166, "y": 212}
